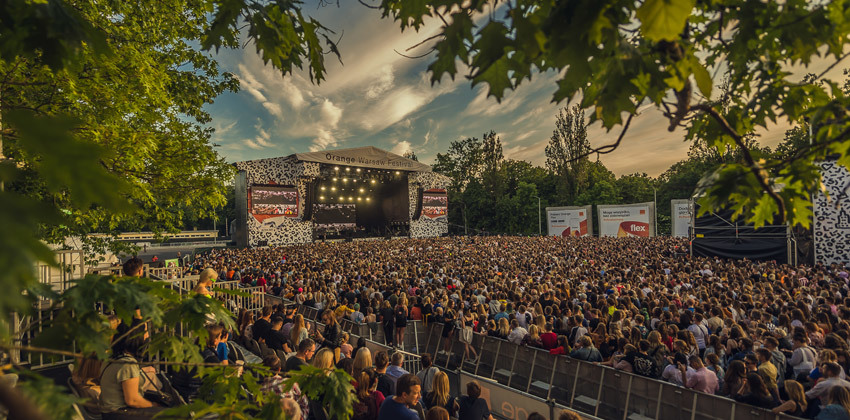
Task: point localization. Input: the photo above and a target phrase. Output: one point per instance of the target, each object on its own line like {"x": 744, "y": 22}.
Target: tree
{"x": 410, "y": 154}
{"x": 617, "y": 55}
{"x": 101, "y": 111}
{"x": 635, "y": 188}
{"x": 567, "y": 152}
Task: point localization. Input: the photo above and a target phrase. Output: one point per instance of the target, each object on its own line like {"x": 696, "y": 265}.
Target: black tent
{"x": 716, "y": 234}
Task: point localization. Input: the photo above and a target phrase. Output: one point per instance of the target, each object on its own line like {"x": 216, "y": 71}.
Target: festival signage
{"x": 627, "y": 220}
{"x": 680, "y": 215}
{"x": 569, "y": 221}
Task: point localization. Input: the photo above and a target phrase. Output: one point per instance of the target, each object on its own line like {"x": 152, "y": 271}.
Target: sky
{"x": 380, "y": 98}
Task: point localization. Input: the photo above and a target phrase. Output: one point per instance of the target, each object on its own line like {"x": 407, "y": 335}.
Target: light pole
{"x": 539, "y": 222}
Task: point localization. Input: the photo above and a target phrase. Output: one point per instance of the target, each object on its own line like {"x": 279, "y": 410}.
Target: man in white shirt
{"x": 831, "y": 371}
{"x": 517, "y": 333}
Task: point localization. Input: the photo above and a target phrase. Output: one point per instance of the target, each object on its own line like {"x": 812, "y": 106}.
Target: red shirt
{"x": 550, "y": 340}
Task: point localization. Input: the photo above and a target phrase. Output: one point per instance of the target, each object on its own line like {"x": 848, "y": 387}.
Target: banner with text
{"x": 569, "y": 221}
{"x": 627, "y": 220}
{"x": 680, "y": 216}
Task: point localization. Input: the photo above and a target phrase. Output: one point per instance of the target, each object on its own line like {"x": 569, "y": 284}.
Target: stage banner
{"x": 680, "y": 217}
{"x": 832, "y": 216}
{"x": 569, "y": 221}
{"x": 627, "y": 220}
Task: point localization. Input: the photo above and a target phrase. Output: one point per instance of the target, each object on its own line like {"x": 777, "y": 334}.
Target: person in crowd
{"x": 398, "y": 406}
{"x": 735, "y": 378}
{"x": 517, "y": 333}
{"x": 388, "y": 322}
{"x": 700, "y": 379}
{"x": 426, "y": 375}
{"x": 304, "y": 353}
{"x": 831, "y": 372}
{"x": 562, "y": 347}
{"x": 568, "y": 415}
{"x": 797, "y": 403}
{"x": 440, "y": 395}
{"x": 804, "y": 357}
{"x": 298, "y": 332}
{"x": 395, "y": 371}
{"x": 332, "y": 335}
{"x": 324, "y": 359}
{"x": 754, "y": 392}
{"x": 205, "y": 282}
{"x": 767, "y": 371}
{"x": 532, "y": 339}
{"x": 837, "y": 404}
{"x": 385, "y": 384}
{"x": 471, "y": 406}
{"x": 437, "y": 413}
{"x": 400, "y": 314}
{"x": 262, "y": 325}
{"x": 369, "y": 399}
{"x": 275, "y": 339}
{"x": 586, "y": 351}
{"x": 122, "y": 383}
{"x": 245, "y": 323}
{"x": 362, "y": 360}
{"x": 536, "y": 416}
{"x": 673, "y": 372}
{"x": 549, "y": 339}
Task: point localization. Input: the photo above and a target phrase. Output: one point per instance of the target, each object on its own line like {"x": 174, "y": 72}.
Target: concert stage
{"x": 345, "y": 194}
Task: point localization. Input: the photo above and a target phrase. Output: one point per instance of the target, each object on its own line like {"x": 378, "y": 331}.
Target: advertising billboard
{"x": 627, "y": 220}
{"x": 569, "y": 221}
{"x": 680, "y": 218}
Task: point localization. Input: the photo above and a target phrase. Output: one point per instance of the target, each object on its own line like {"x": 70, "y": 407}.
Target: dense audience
{"x": 763, "y": 333}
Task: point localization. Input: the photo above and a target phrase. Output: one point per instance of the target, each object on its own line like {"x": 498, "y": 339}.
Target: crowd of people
{"x": 762, "y": 333}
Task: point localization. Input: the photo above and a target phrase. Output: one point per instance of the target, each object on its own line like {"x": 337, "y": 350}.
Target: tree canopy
{"x": 615, "y": 55}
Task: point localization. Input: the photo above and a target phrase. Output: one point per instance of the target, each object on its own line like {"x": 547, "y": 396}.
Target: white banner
{"x": 680, "y": 218}
{"x": 569, "y": 221}
{"x": 627, "y": 220}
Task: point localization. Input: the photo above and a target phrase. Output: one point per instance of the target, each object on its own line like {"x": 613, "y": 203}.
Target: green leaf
{"x": 664, "y": 19}
{"x": 703, "y": 78}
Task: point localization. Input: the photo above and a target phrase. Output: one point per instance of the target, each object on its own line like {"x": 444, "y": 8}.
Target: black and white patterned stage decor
{"x": 832, "y": 216}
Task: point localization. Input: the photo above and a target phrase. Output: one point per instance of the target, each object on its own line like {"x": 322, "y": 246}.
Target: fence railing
{"x": 564, "y": 382}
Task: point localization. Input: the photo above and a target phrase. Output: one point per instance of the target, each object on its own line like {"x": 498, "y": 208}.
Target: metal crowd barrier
{"x": 538, "y": 379}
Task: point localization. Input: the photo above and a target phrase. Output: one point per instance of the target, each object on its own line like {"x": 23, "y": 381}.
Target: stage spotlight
{"x": 345, "y": 180}
{"x": 359, "y": 198}
{"x": 347, "y": 169}
{"x": 336, "y": 168}
{"x": 341, "y": 198}
{"x": 353, "y": 179}
{"x": 332, "y": 188}
{"x": 321, "y": 197}
{"x": 323, "y": 188}
{"x": 361, "y": 190}
{"x": 397, "y": 173}
{"x": 358, "y": 169}
{"x": 334, "y": 179}
{"x": 350, "y": 198}
{"x": 373, "y": 181}
{"x": 368, "y": 198}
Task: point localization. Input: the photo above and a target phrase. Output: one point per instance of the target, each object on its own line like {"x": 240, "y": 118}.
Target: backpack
{"x": 645, "y": 366}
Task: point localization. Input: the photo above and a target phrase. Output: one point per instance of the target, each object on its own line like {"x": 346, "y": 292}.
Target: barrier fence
{"x": 535, "y": 379}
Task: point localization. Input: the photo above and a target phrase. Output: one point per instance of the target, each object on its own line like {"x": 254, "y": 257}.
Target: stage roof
{"x": 365, "y": 157}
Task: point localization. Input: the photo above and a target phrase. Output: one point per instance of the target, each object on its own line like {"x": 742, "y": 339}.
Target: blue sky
{"x": 380, "y": 98}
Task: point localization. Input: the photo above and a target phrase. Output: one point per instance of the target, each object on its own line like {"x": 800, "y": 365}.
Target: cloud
{"x": 273, "y": 109}
{"x": 323, "y": 141}
{"x": 383, "y": 84}
{"x": 401, "y": 148}
{"x": 331, "y": 114}
{"x": 250, "y": 143}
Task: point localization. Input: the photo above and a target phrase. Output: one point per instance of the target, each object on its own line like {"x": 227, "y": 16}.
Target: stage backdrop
{"x": 627, "y": 220}
{"x": 680, "y": 218}
{"x": 832, "y": 216}
{"x": 569, "y": 221}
